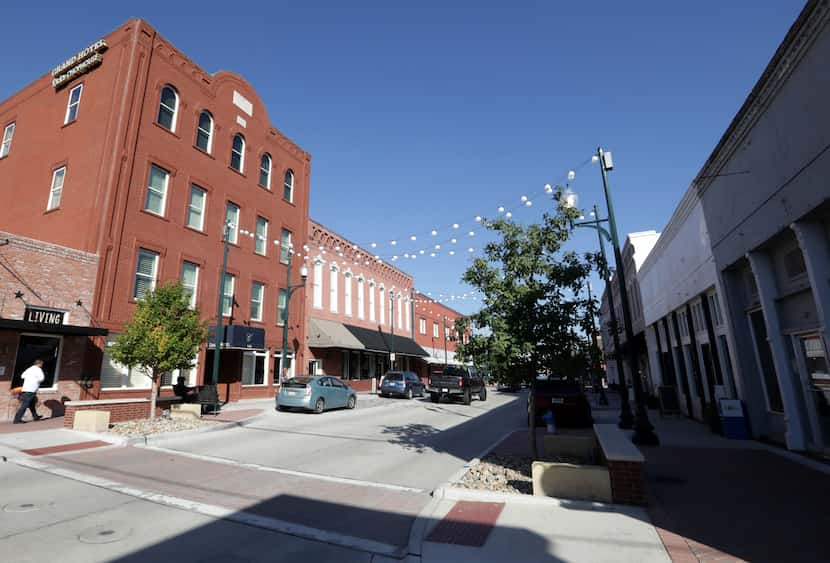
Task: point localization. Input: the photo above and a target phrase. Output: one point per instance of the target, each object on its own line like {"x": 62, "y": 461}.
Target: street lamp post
{"x": 392, "y": 325}
{"x": 626, "y": 418}
{"x": 643, "y": 429}
{"x": 289, "y": 291}
{"x": 603, "y": 400}
{"x": 445, "y": 341}
{"x": 219, "y": 336}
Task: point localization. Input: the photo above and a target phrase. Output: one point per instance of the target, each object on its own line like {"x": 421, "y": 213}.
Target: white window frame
{"x": 175, "y": 109}
{"x": 372, "y": 314}
{"x": 285, "y": 245}
{"x": 317, "y": 284}
{"x": 56, "y": 188}
{"x": 153, "y": 278}
{"x": 199, "y": 210}
{"x": 435, "y": 333}
{"x": 195, "y": 287}
{"x": 382, "y": 307}
{"x": 228, "y": 311}
{"x": 361, "y": 282}
{"x": 256, "y": 354}
{"x": 124, "y": 371}
{"x": 407, "y": 306}
{"x": 267, "y": 184}
{"x": 290, "y": 186}
{"x": 70, "y": 105}
{"x": 8, "y": 135}
{"x": 209, "y": 133}
{"x": 241, "y": 153}
{"x": 400, "y": 312}
{"x": 233, "y": 232}
{"x": 261, "y": 239}
{"x": 163, "y": 192}
{"x": 260, "y": 301}
{"x": 334, "y": 274}
{"x": 347, "y": 293}
{"x": 422, "y": 325}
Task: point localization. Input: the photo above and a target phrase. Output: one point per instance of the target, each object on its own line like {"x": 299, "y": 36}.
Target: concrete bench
{"x": 186, "y": 410}
{"x": 624, "y": 462}
{"x": 91, "y": 421}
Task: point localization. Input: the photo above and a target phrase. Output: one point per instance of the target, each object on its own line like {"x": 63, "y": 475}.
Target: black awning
{"x": 377, "y": 341}
{"x": 24, "y": 326}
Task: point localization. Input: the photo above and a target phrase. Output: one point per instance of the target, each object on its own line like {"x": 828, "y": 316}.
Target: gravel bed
{"x": 504, "y": 474}
{"x": 147, "y": 427}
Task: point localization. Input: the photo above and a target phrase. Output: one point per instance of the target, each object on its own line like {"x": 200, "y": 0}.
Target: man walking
{"x": 32, "y": 378}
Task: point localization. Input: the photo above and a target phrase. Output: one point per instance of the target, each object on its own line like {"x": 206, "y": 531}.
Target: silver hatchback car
{"x": 315, "y": 393}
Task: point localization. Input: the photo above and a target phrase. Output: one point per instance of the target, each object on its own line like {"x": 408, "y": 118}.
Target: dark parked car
{"x": 457, "y": 382}
{"x": 566, "y": 399}
{"x": 401, "y": 384}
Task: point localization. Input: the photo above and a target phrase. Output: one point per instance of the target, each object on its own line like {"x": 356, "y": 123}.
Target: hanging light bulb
{"x": 472, "y": 233}
{"x": 548, "y": 189}
{"x": 394, "y": 258}
{"x": 337, "y": 247}
{"x": 571, "y": 174}
{"x": 523, "y": 198}
{"x": 478, "y": 218}
{"x": 501, "y": 209}
{"x": 374, "y": 245}
{"x": 452, "y": 252}
{"x": 434, "y": 232}
{"x": 594, "y": 158}
{"x": 470, "y": 249}
{"x": 437, "y": 247}
{"x": 508, "y": 215}
{"x": 413, "y": 237}
{"x": 406, "y": 255}
{"x": 432, "y": 254}
{"x": 455, "y": 225}
{"x": 394, "y": 242}
{"x": 421, "y": 251}
{"x": 528, "y": 203}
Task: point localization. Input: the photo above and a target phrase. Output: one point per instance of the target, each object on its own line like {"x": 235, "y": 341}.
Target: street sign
{"x": 392, "y": 357}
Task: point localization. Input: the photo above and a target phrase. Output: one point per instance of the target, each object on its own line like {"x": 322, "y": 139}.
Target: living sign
{"x": 43, "y": 316}
{"x": 79, "y": 64}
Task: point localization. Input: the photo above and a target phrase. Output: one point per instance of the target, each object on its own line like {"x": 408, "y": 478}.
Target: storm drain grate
{"x": 109, "y": 533}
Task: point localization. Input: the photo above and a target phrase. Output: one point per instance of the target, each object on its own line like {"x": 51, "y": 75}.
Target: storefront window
{"x": 253, "y": 368}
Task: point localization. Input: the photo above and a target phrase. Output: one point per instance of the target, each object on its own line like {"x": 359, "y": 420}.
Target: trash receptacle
{"x": 732, "y": 419}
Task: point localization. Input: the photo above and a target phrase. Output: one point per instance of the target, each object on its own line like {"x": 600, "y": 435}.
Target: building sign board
{"x": 41, "y": 316}
{"x": 81, "y": 63}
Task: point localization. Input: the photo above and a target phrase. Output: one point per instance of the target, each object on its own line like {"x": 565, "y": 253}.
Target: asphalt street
{"x": 352, "y": 481}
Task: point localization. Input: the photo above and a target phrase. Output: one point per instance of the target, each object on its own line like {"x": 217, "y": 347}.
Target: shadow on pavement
{"x": 219, "y": 541}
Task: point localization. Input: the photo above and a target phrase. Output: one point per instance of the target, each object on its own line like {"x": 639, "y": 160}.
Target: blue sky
{"x": 423, "y": 114}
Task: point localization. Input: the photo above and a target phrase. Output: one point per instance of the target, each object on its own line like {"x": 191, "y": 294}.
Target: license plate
{"x": 557, "y": 401}
{"x": 290, "y": 392}
{"x": 444, "y": 390}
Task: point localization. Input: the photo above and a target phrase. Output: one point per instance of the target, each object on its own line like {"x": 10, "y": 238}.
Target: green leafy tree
{"x": 164, "y": 335}
{"x": 531, "y": 315}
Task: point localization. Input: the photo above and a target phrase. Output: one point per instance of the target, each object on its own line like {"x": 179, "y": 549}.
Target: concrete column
{"x": 653, "y": 349}
{"x": 764, "y": 272}
{"x": 814, "y": 247}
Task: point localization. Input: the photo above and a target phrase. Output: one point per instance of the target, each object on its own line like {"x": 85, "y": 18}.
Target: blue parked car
{"x": 401, "y": 384}
{"x": 315, "y": 393}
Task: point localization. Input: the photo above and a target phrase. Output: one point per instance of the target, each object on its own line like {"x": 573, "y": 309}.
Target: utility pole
{"x": 392, "y": 325}
{"x": 289, "y": 291}
{"x": 643, "y": 429}
{"x": 219, "y": 335}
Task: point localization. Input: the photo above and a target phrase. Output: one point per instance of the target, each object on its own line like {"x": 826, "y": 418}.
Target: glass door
{"x": 815, "y": 378}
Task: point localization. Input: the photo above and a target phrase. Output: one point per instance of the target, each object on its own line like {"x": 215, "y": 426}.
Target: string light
{"x": 455, "y": 225}
{"x": 528, "y": 203}
{"x": 434, "y": 232}
{"x": 571, "y": 174}
{"x": 508, "y": 215}
{"x": 478, "y": 218}
{"x": 413, "y": 237}
{"x": 523, "y": 198}
{"x": 501, "y": 209}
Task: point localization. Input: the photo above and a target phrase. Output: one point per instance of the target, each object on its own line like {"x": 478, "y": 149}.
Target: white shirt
{"x": 32, "y": 378}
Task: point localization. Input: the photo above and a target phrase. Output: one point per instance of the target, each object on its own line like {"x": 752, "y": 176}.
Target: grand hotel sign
{"x": 81, "y": 63}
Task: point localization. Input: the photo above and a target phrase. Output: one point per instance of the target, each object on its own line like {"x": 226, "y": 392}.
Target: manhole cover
{"x": 104, "y": 534}
{"x": 22, "y": 507}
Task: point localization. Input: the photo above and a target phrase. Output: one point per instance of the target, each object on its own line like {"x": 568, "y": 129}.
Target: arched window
{"x": 288, "y": 186}
{"x": 204, "y": 133}
{"x": 168, "y": 107}
{"x": 265, "y": 171}
{"x": 238, "y": 152}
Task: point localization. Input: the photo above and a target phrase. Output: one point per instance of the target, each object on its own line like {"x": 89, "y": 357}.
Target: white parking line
{"x": 267, "y": 468}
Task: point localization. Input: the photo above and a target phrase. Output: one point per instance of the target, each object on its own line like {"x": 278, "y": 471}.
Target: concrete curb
{"x": 457, "y": 493}
{"x": 418, "y": 531}
{"x": 475, "y": 461}
{"x": 155, "y": 438}
{"x": 219, "y": 512}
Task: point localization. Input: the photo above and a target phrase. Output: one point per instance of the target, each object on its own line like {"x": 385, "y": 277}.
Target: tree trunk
{"x": 153, "y": 394}
{"x": 531, "y": 415}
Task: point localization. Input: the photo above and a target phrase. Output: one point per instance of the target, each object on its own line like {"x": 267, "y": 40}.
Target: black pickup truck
{"x": 457, "y": 382}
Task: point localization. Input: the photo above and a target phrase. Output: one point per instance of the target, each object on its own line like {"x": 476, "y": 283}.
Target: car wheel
{"x": 409, "y": 394}
{"x": 467, "y": 397}
{"x": 319, "y": 406}
{"x": 482, "y": 395}
{"x": 433, "y": 397}
{"x": 351, "y": 403}
{"x": 384, "y": 395}
{"x": 280, "y": 408}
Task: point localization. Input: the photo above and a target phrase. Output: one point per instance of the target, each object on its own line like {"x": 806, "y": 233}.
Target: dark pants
{"x": 27, "y": 401}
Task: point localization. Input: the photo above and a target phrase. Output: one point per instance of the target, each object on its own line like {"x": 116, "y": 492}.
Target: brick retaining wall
{"x": 120, "y": 410}
{"x": 627, "y": 486}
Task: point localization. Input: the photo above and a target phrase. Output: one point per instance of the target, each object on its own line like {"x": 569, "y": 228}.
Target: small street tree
{"x": 531, "y": 315}
{"x": 164, "y": 335}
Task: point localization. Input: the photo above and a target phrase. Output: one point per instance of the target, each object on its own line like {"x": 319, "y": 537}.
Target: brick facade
{"x": 627, "y": 484}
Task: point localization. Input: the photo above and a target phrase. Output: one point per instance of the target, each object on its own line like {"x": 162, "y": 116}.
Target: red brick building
{"x": 435, "y": 332}
{"x": 118, "y": 170}
{"x": 354, "y": 304}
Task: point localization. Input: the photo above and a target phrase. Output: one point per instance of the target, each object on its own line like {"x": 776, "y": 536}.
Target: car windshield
{"x": 454, "y": 371}
{"x": 300, "y": 381}
{"x": 394, "y": 377}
